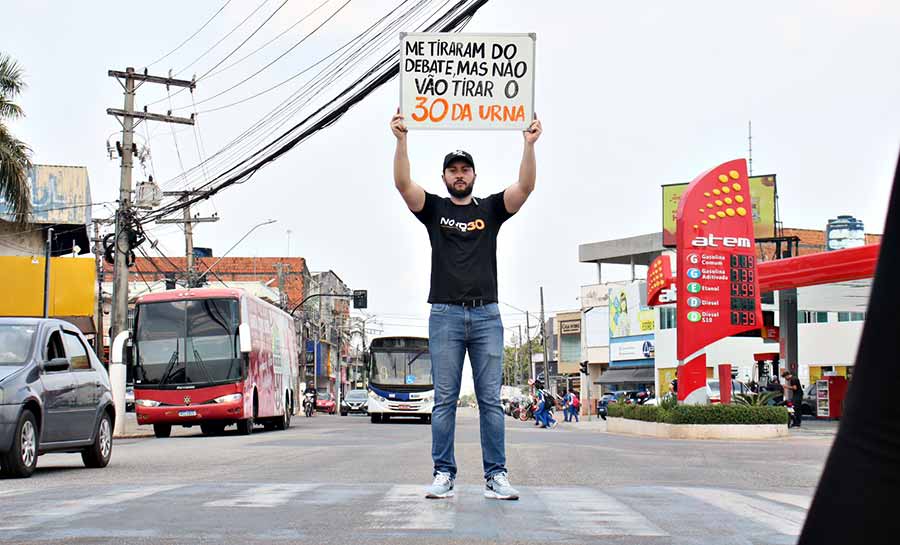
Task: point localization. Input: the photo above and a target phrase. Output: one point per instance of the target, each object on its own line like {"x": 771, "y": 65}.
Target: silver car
{"x": 54, "y": 396}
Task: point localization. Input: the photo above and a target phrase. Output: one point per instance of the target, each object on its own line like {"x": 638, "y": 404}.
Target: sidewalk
{"x": 132, "y": 429}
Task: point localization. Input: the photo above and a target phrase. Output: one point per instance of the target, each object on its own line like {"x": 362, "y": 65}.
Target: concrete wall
{"x": 21, "y": 241}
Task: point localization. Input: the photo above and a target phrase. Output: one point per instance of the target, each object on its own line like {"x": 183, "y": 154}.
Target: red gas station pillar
{"x": 725, "y": 383}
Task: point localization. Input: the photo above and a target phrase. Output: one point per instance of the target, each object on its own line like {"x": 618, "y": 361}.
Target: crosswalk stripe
{"x": 590, "y": 512}
{"x": 797, "y": 500}
{"x": 779, "y": 518}
{"x": 70, "y": 508}
{"x": 404, "y": 507}
{"x": 271, "y": 495}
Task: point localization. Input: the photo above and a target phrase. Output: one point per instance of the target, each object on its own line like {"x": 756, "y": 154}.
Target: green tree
{"x": 15, "y": 155}
{"x": 516, "y": 367}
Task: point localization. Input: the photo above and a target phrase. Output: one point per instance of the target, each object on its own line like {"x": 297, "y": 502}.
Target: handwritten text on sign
{"x": 467, "y": 81}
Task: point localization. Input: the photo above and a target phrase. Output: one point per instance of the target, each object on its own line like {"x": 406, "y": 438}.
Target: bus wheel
{"x": 426, "y": 419}
{"x": 212, "y": 429}
{"x": 162, "y": 430}
{"x": 376, "y": 418}
{"x": 245, "y": 427}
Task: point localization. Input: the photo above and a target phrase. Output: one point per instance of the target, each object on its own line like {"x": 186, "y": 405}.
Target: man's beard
{"x": 460, "y": 193}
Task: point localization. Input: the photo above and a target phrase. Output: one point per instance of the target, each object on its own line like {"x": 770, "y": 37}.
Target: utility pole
{"x": 47, "y": 254}
{"x": 98, "y": 318}
{"x": 528, "y": 340}
{"x": 130, "y": 81}
{"x": 188, "y": 222}
{"x": 544, "y": 342}
{"x": 282, "y": 295}
{"x": 519, "y": 356}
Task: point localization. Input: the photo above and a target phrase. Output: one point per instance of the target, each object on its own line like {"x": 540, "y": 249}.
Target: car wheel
{"x": 245, "y": 427}
{"x": 21, "y": 459}
{"x": 162, "y": 430}
{"x": 343, "y": 413}
{"x": 98, "y": 454}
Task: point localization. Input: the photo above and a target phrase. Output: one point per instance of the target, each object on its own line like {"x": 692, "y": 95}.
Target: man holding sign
{"x": 464, "y": 314}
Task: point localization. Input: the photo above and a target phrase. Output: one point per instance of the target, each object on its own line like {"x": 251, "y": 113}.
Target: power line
{"x": 264, "y": 68}
{"x": 191, "y": 37}
{"x": 263, "y": 46}
{"x": 241, "y": 141}
{"x": 252, "y": 34}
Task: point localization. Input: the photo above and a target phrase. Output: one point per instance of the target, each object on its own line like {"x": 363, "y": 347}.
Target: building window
{"x": 571, "y": 348}
{"x": 668, "y": 318}
{"x": 851, "y": 316}
{"x": 811, "y": 317}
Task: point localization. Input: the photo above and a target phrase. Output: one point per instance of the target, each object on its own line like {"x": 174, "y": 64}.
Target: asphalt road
{"x": 343, "y": 480}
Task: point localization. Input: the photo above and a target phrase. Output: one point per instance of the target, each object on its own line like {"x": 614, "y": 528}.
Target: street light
{"x": 238, "y": 242}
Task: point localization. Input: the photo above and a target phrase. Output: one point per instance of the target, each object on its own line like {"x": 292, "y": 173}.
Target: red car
{"x": 325, "y": 403}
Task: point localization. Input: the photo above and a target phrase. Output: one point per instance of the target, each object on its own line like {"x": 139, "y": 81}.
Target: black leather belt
{"x": 471, "y": 303}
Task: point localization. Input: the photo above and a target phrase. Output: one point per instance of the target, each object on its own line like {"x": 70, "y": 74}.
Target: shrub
{"x": 760, "y": 399}
{"x": 701, "y": 414}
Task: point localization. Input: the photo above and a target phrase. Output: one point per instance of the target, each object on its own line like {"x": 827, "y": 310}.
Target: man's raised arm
{"x": 412, "y": 193}
{"x": 516, "y": 195}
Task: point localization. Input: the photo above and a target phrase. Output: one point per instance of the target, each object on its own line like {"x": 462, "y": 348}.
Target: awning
{"x": 620, "y": 376}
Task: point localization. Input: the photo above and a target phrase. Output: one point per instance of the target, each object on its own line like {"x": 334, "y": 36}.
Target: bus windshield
{"x": 401, "y": 368}
{"x": 187, "y": 342}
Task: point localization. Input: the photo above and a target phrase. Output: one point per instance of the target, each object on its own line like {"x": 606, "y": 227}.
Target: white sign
{"x": 467, "y": 81}
{"x": 632, "y": 350}
{"x": 595, "y": 295}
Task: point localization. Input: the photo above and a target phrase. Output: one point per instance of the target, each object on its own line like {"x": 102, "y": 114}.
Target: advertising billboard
{"x": 628, "y": 312}
{"x": 716, "y": 277}
{"x": 763, "y": 192}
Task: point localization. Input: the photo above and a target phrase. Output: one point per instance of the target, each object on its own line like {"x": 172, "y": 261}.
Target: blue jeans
{"x": 452, "y": 331}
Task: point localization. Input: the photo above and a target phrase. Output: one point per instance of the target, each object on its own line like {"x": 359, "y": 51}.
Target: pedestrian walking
{"x": 464, "y": 314}
{"x": 567, "y": 406}
{"x": 575, "y": 402}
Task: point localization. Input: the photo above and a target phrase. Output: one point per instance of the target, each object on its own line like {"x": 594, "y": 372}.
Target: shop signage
{"x": 632, "y": 350}
{"x": 570, "y": 327}
{"x": 467, "y": 81}
{"x": 660, "y": 282}
{"x": 595, "y": 295}
{"x": 717, "y": 274}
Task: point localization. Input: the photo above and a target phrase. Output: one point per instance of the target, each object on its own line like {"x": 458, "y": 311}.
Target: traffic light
{"x": 584, "y": 367}
{"x": 360, "y": 298}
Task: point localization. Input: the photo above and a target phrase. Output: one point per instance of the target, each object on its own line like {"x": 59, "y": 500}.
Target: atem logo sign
{"x": 712, "y": 241}
{"x": 476, "y": 225}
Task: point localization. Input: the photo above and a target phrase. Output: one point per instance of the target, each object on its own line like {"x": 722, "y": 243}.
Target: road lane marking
{"x": 92, "y": 504}
{"x": 404, "y": 507}
{"x": 270, "y": 495}
{"x": 797, "y": 500}
{"x": 590, "y": 512}
{"x": 779, "y": 518}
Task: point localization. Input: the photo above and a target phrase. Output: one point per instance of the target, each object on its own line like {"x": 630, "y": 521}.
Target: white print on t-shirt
{"x": 476, "y": 225}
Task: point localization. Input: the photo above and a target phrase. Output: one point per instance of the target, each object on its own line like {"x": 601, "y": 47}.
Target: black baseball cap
{"x": 458, "y": 155}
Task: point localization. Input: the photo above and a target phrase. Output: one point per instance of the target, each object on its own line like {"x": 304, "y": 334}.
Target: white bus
{"x": 400, "y": 383}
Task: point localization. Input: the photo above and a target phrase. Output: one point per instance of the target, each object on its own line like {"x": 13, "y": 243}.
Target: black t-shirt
{"x": 797, "y": 394}
{"x": 463, "y": 247}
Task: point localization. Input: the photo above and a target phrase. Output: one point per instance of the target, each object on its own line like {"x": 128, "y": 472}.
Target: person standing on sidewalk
{"x": 464, "y": 314}
{"x": 794, "y": 392}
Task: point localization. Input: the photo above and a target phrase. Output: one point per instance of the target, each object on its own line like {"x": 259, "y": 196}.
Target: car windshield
{"x": 356, "y": 395}
{"x": 401, "y": 368}
{"x": 15, "y": 343}
{"x": 187, "y": 342}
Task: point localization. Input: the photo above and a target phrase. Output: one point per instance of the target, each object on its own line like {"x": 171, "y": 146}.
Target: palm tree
{"x": 15, "y": 159}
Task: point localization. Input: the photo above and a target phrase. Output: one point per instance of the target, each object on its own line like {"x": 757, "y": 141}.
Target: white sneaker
{"x": 442, "y": 487}
{"x": 498, "y": 488}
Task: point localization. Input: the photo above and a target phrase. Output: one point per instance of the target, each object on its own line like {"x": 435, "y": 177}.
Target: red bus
{"x": 212, "y": 357}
